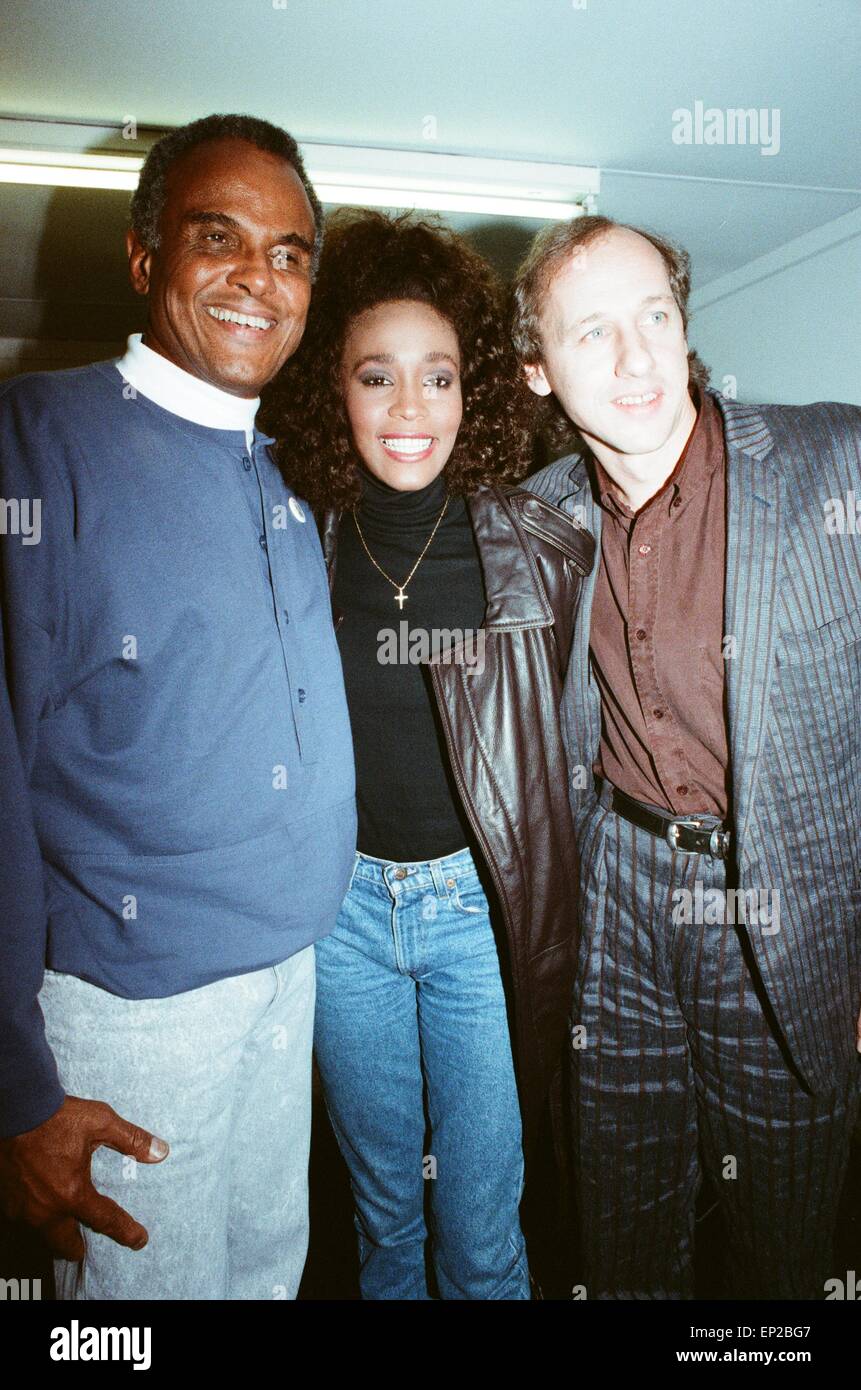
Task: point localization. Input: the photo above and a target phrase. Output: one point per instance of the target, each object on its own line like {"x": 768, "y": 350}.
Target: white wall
{"x": 787, "y": 326}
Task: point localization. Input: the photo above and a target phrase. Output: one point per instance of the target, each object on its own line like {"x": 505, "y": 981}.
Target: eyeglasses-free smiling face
{"x": 230, "y": 283}
{"x": 615, "y": 355}
{"x": 400, "y": 375}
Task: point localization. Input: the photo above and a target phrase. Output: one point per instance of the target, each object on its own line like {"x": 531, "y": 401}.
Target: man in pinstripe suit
{"x": 711, "y": 714}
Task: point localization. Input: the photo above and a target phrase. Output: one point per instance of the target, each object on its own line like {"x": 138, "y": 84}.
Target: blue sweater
{"x": 177, "y": 800}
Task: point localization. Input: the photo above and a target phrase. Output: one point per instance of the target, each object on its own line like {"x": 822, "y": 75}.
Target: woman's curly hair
{"x": 370, "y": 258}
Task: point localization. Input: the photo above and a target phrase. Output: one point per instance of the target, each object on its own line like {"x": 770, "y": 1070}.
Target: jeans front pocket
{"x": 468, "y": 896}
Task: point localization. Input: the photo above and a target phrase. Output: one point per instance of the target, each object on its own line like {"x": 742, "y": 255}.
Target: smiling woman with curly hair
{"x": 371, "y": 259}
{"x": 398, "y": 420}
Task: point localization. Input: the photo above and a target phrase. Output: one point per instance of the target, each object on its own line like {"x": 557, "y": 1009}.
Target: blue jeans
{"x": 411, "y": 1036}
{"x": 223, "y": 1073}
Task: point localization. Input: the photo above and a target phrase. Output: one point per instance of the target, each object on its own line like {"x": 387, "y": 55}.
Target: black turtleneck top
{"x": 409, "y": 808}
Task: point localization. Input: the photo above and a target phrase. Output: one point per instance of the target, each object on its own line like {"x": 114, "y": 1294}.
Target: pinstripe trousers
{"x": 677, "y": 1071}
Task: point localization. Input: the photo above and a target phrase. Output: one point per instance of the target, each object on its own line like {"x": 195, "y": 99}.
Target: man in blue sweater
{"x": 177, "y": 803}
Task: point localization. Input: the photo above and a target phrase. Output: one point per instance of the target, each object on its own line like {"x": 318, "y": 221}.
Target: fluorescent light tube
{"x": 450, "y": 183}
{"x": 59, "y": 169}
{"x": 361, "y": 177}
{"x": 355, "y": 195}
{"x": 60, "y": 177}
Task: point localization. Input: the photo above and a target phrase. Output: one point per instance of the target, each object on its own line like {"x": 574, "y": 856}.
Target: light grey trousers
{"x": 223, "y": 1074}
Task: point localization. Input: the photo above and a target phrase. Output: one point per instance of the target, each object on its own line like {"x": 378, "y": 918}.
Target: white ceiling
{"x": 559, "y": 80}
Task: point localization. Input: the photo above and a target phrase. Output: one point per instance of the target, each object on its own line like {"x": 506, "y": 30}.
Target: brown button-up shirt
{"x": 656, "y": 638}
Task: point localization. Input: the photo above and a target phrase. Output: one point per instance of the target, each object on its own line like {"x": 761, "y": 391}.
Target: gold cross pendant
{"x": 401, "y": 598}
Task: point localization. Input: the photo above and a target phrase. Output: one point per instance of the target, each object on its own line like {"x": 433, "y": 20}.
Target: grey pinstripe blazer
{"x": 793, "y": 694}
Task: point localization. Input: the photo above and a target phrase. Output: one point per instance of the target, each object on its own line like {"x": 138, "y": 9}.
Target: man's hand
{"x": 45, "y": 1175}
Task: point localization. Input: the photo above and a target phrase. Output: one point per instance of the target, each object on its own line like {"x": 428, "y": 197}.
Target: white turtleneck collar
{"x": 182, "y": 394}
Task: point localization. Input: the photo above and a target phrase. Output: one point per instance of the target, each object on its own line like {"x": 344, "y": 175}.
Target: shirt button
{"x": 641, "y": 634}
{"x": 683, "y": 789}
{"x": 246, "y": 464}
{"x": 658, "y": 713}
{"x": 262, "y": 542}
{"x": 400, "y": 873}
{"x": 301, "y": 694}
{"x": 676, "y": 502}
{"x": 644, "y": 549}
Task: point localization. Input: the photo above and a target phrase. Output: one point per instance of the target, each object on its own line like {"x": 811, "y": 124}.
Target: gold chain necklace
{"x": 401, "y": 596}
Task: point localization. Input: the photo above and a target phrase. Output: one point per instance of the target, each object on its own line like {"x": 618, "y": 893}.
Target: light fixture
{"x": 450, "y": 182}
{"x": 346, "y": 174}
{"x": 65, "y": 169}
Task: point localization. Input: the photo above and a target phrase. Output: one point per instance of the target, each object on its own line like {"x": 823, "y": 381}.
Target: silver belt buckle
{"x": 718, "y": 839}
{"x": 689, "y": 823}
{"x": 671, "y": 834}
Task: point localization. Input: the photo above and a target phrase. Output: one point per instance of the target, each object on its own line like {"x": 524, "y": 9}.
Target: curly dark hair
{"x": 552, "y": 247}
{"x": 148, "y": 198}
{"x": 370, "y": 258}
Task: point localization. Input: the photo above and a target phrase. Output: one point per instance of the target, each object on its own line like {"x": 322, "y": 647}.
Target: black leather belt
{"x": 693, "y": 834}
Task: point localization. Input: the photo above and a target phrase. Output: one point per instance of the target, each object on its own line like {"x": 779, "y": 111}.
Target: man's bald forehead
{"x": 613, "y": 238}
